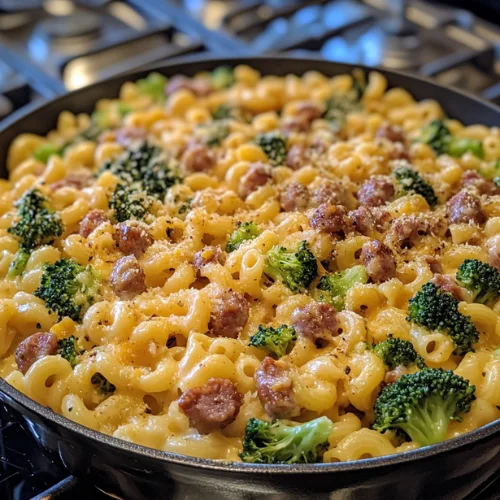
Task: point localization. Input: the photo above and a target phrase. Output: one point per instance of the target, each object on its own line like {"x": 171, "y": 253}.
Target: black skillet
{"x": 449, "y": 470}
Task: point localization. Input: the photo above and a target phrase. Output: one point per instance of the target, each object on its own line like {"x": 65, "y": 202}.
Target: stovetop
{"x": 50, "y": 46}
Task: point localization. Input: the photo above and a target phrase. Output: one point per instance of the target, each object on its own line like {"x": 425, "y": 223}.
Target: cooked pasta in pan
{"x": 244, "y": 267}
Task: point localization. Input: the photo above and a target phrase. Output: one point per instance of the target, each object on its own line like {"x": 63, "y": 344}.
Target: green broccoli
{"x": 396, "y": 352}
{"x": 338, "y": 106}
{"x": 282, "y": 443}
{"x": 38, "y": 223}
{"x": 68, "y": 349}
{"x": 130, "y": 202}
{"x": 491, "y": 171}
{"x": 211, "y": 134}
{"x": 245, "y": 231}
{"x": 422, "y": 404}
{"x": 296, "y": 269}
{"x": 148, "y": 165}
{"x": 436, "y": 309}
{"x": 223, "y": 77}
{"x": 274, "y": 340}
{"x": 479, "y": 278}
{"x": 18, "y": 265}
{"x": 410, "y": 181}
{"x": 45, "y": 151}
{"x": 228, "y": 112}
{"x": 438, "y": 136}
{"x": 274, "y": 145}
{"x": 153, "y": 86}
{"x": 102, "y": 384}
{"x": 333, "y": 287}
{"x": 68, "y": 288}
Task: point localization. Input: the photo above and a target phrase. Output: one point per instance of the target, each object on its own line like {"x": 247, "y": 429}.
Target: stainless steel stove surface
{"x": 50, "y": 46}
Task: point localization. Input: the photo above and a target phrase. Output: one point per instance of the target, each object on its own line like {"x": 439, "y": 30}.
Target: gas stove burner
{"x": 14, "y": 6}
{"x": 76, "y": 25}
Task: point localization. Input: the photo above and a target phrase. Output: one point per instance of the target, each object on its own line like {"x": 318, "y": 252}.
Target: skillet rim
{"x": 97, "y": 437}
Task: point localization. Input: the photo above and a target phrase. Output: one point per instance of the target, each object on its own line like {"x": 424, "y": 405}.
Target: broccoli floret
{"x": 38, "y": 223}
{"x": 45, "y": 151}
{"x": 274, "y": 145}
{"x": 396, "y": 352}
{"x": 435, "y": 309}
{"x": 130, "y": 202}
{"x": 68, "y": 288}
{"x": 148, "y": 165}
{"x": 491, "y": 171}
{"x": 333, "y": 287}
{"x": 479, "y": 278}
{"x": 222, "y": 77}
{"x": 410, "y": 181}
{"x": 438, "y": 136}
{"x": 68, "y": 349}
{"x": 102, "y": 384}
{"x": 245, "y": 231}
{"x": 422, "y": 404}
{"x": 338, "y": 106}
{"x": 153, "y": 86}
{"x": 274, "y": 340}
{"x": 296, "y": 270}
{"x": 211, "y": 134}
{"x": 18, "y": 265}
{"x": 282, "y": 443}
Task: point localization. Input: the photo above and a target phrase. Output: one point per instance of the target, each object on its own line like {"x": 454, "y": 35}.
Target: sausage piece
{"x": 198, "y": 158}
{"x": 376, "y": 191}
{"x": 379, "y": 261}
{"x": 391, "y": 133}
{"x": 329, "y": 191}
{"x": 330, "y": 218}
{"x": 494, "y": 252}
{"x": 408, "y": 229}
{"x": 296, "y": 156}
{"x": 294, "y": 198}
{"x": 76, "y": 181}
{"x": 367, "y": 221}
{"x": 229, "y": 314}
{"x": 258, "y": 175}
{"x": 465, "y": 207}
{"x": 306, "y": 113}
{"x": 448, "y": 284}
{"x": 208, "y": 255}
{"x": 274, "y": 388}
{"x": 316, "y": 321}
{"x": 128, "y": 278}
{"x": 132, "y": 238}
{"x": 483, "y": 186}
{"x": 212, "y": 406}
{"x": 33, "y": 348}
{"x": 92, "y": 221}
{"x": 199, "y": 87}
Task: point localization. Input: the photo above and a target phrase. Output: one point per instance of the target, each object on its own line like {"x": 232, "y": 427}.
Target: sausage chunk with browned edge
{"x": 376, "y": 191}
{"x": 483, "y": 186}
{"x": 213, "y": 406}
{"x": 379, "y": 261}
{"x": 33, "y": 348}
{"x": 92, "y": 221}
{"x": 366, "y": 221}
{"x": 331, "y": 219}
{"x": 464, "y": 208}
{"x": 448, "y": 284}
{"x": 208, "y": 255}
{"x": 296, "y": 156}
{"x": 229, "y": 314}
{"x": 274, "y": 388}
{"x": 307, "y": 112}
{"x": 316, "y": 321}
{"x": 76, "y": 181}
{"x": 199, "y": 87}
{"x": 132, "y": 238}
{"x": 391, "y": 133}
{"x": 198, "y": 158}
{"x": 294, "y": 198}
{"x": 258, "y": 175}
{"x": 128, "y": 278}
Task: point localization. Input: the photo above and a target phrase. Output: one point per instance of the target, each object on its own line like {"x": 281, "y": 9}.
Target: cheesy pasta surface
{"x": 203, "y": 251}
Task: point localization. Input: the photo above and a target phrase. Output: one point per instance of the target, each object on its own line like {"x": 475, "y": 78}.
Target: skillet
{"x": 449, "y": 470}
